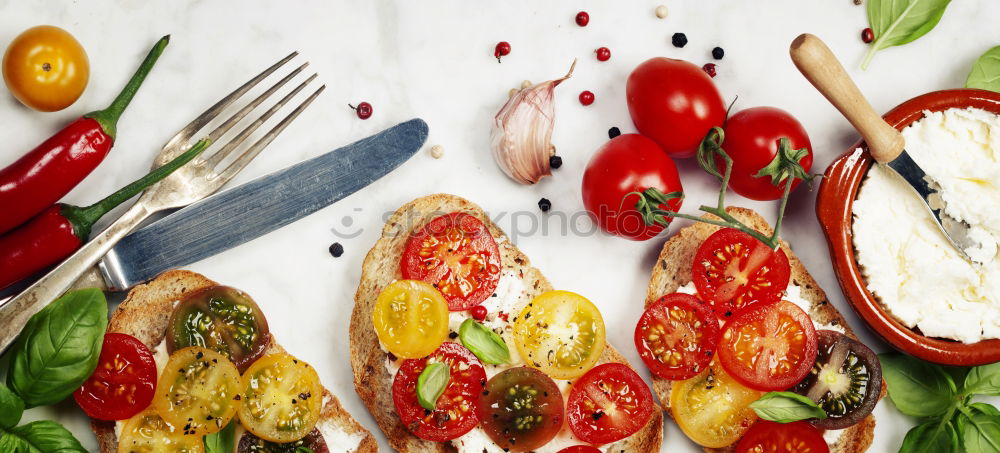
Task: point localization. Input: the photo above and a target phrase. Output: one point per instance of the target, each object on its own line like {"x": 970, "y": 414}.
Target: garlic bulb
{"x": 522, "y": 132}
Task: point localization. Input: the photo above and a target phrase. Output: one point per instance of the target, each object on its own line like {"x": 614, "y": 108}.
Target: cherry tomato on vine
{"x": 752, "y": 139}
{"x": 674, "y": 103}
{"x": 625, "y": 164}
{"x": 46, "y": 68}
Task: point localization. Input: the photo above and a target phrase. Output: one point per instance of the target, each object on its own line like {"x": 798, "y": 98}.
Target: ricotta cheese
{"x": 906, "y": 260}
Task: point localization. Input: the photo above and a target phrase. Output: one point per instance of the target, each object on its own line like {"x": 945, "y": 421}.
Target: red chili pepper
{"x": 41, "y": 177}
{"x": 60, "y": 229}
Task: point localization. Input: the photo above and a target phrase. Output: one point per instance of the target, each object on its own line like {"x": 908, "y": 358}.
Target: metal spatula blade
{"x": 885, "y": 143}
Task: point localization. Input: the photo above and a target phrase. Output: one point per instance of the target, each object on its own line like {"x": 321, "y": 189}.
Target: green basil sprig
{"x": 786, "y": 407}
{"x": 985, "y": 73}
{"x": 42, "y": 436}
{"x": 897, "y": 22}
{"x": 431, "y": 384}
{"x": 942, "y": 397}
{"x": 11, "y": 408}
{"x": 483, "y": 342}
{"x": 58, "y": 348}
{"x": 223, "y": 441}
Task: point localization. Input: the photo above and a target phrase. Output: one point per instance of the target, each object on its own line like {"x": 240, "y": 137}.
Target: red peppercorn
{"x": 603, "y": 54}
{"x": 478, "y": 312}
{"x": 504, "y": 316}
{"x": 867, "y": 35}
{"x": 502, "y": 49}
{"x": 586, "y": 98}
{"x": 363, "y": 110}
{"x": 582, "y": 18}
{"x": 709, "y": 69}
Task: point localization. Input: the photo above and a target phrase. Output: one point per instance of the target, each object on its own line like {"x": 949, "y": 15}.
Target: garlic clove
{"x": 522, "y": 131}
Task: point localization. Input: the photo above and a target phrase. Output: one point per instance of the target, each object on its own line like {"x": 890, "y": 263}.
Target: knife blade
{"x": 245, "y": 212}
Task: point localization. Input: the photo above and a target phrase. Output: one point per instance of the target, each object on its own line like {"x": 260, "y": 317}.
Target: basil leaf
{"x": 916, "y": 387}
{"x": 936, "y": 436}
{"x": 786, "y": 407}
{"x": 40, "y": 437}
{"x": 483, "y": 342}
{"x": 223, "y": 441}
{"x": 985, "y": 73}
{"x": 897, "y": 22}
{"x": 431, "y": 384}
{"x": 983, "y": 380}
{"x": 58, "y": 348}
{"x": 984, "y": 408}
{"x": 303, "y": 450}
{"x": 980, "y": 433}
{"x": 11, "y": 408}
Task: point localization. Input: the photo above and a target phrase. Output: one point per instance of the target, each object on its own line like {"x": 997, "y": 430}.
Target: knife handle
{"x": 815, "y": 61}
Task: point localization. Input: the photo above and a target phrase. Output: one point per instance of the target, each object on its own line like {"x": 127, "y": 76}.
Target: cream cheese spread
{"x": 906, "y": 260}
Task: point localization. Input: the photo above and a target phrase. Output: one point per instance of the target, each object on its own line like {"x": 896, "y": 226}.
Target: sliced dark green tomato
{"x": 845, "y": 381}
{"x": 250, "y": 443}
{"x": 223, "y": 319}
{"x": 521, "y": 409}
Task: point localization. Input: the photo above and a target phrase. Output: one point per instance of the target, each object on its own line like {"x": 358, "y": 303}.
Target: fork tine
{"x": 195, "y": 125}
{"x": 216, "y": 158}
{"x": 226, "y": 126}
{"x": 237, "y": 165}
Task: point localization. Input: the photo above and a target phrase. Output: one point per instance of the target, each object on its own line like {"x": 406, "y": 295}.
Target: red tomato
{"x": 796, "y": 437}
{"x": 628, "y": 163}
{"x": 580, "y": 449}
{"x": 123, "y": 382}
{"x": 455, "y": 412}
{"x": 676, "y": 336}
{"x": 752, "y": 137}
{"x": 768, "y": 346}
{"x": 608, "y": 403}
{"x": 733, "y": 270}
{"x": 521, "y": 409}
{"x": 458, "y": 255}
{"x": 674, "y": 103}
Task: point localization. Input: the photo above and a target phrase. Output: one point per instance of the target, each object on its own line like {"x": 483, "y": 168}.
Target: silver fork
{"x": 197, "y": 179}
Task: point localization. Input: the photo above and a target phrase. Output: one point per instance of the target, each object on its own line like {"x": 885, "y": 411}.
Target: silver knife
{"x": 245, "y": 212}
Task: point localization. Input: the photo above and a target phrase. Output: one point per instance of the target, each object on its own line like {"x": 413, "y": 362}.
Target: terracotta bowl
{"x": 833, "y": 207}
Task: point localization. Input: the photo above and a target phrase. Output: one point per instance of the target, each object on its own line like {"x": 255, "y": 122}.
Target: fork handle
{"x": 15, "y": 313}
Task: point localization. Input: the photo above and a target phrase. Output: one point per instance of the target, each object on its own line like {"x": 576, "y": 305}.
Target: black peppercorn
{"x": 718, "y": 53}
{"x": 614, "y": 132}
{"x": 544, "y": 204}
{"x": 336, "y": 250}
{"x": 679, "y": 39}
{"x": 555, "y": 162}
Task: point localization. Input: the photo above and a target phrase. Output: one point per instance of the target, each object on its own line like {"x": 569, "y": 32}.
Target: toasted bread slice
{"x": 145, "y": 314}
{"x": 673, "y": 270}
{"x": 381, "y": 267}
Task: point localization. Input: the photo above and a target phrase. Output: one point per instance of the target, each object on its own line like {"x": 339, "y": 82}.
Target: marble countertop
{"x": 434, "y": 60}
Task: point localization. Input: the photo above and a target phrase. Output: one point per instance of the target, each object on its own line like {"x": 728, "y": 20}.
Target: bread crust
{"x": 381, "y": 267}
{"x": 145, "y": 314}
{"x": 673, "y": 270}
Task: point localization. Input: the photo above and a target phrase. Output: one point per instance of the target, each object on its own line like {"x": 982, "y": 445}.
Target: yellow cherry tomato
{"x": 712, "y": 408}
{"x": 411, "y": 318}
{"x": 199, "y": 391}
{"x": 46, "y": 68}
{"x": 146, "y": 432}
{"x": 561, "y": 333}
{"x": 282, "y": 398}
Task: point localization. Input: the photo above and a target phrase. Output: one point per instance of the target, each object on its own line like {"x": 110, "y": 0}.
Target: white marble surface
{"x": 434, "y": 60}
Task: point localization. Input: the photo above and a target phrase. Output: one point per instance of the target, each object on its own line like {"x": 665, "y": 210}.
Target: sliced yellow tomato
{"x": 146, "y": 432}
{"x": 283, "y": 398}
{"x": 712, "y": 408}
{"x": 199, "y": 391}
{"x": 411, "y": 318}
{"x": 561, "y": 333}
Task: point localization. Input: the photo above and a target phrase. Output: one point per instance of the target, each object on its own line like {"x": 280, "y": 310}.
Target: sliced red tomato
{"x": 609, "y": 403}
{"x": 521, "y": 409}
{"x": 733, "y": 270}
{"x": 455, "y": 413}
{"x": 676, "y": 336}
{"x": 768, "y": 346}
{"x": 123, "y": 382}
{"x": 580, "y": 449}
{"x": 458, "y": 255}
{"x": 771, "y": 437}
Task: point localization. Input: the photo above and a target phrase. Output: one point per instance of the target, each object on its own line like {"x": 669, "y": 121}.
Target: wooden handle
{"x": 820, "y": 66}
